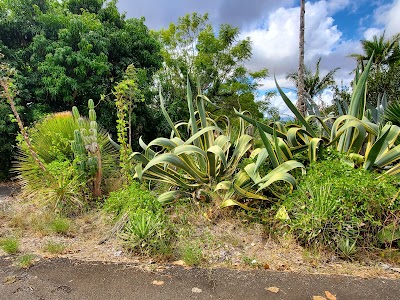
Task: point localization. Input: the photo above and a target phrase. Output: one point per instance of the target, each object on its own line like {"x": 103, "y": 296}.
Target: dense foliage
{"x": 67, "y": 52}
{"x": 192, "y": 49}
{"x": 342, "y": 208}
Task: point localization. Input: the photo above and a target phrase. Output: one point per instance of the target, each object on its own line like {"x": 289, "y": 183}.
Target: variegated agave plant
{"x": 207, "y": 160}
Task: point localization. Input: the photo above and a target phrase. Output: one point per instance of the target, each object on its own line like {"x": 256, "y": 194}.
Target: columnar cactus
{"x": 86, "y": 149}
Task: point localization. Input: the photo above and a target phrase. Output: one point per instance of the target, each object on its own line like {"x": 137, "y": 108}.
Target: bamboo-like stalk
{"x": 5, "y": 84}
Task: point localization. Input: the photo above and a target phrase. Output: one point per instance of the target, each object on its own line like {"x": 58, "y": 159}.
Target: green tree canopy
{"x": 192, "y": 49}
{"x": 384, "y": 76}
{"x": 69, "y": 51}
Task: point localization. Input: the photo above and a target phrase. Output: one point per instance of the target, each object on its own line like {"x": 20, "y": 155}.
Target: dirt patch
{"x": 225, "y": 243}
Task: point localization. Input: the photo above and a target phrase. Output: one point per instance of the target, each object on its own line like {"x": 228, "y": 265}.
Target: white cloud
{"x": 388, "y": 16}
{"x": 276, "y": 46}
{"x": 370, "y": 32}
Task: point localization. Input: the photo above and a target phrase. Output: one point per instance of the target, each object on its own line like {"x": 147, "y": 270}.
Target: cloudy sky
{"x": 334, "y": 29}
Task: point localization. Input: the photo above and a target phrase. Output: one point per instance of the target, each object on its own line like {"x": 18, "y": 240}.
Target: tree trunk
{"x": 301, "y": 101}
{"x": 10, "y": 99}
{"x": 99, "y": 175}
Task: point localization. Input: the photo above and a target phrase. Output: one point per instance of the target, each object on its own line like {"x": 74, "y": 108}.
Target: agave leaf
{"x": 247, "y": 194}
{"x": 315, "y": 148}
{"x": 278, "y": 177}
{"x": 223, "y": 141}
{"x": 171, "y": 196}
{"x": 286, "y": 154}
{"x": 201, "y": 132}
{"x": 294, "y": 110}
{"x": 297, "y": 132}
{"x": 166, "y": 116}
{"x": 217, "y": 151}
{"x": 391, "y": 156}
{"x": 268, "y": 146}
{"x": 283, "y": 168}
{"x": 264, "y": 127}
{"x": 251, "y": 171}
{"x": 394, "y": 170}
{"x": 171, "y": 159}
{"x": 262, "y": 156}
{"x": 242, "y": 145}
{"x": 188, "y": 149}
{"x": 231, "y": 202}
{"x": 163, "y": 142}
{"x": 241, "y": 178}
{"x": 223, "y": 185}
{"x": 358, "y": 99}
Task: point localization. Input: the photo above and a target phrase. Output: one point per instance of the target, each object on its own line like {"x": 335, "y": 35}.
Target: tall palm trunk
{"x": 301, "y": 103}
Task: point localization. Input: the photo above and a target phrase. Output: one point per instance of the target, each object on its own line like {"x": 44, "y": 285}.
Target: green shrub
{"x": 341, "y": 208}
{"x": 147, "y": 230}
{"x": 9, "y": 245}
{"x": 131, "y": 198}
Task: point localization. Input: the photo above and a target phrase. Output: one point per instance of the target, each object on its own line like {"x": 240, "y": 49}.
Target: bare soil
{"x": 226, "y": 243}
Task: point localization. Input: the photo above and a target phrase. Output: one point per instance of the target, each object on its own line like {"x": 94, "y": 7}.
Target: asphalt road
{"x": 66, "y": 279}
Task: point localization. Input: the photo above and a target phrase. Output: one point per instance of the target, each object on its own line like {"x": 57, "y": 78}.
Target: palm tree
{"x": 386, "y": 51}
{"x": 301, "y": 97}
{"x": 384, "y": 75}
{"x": 313, "y": 84}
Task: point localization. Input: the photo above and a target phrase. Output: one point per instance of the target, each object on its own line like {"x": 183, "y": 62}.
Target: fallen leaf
{"x": 272, "y": 289}
{"x": 319, "y": 298}
{"x": 266, "y": 266}
{"x": 158, "y": 282}
{"x": 179, "y": 263}
{"x": 10, "y": 279}
{"x": 330, "y": 296}
{"x": 196, "y": 290}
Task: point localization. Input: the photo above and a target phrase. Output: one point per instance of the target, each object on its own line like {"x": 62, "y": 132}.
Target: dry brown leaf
{"x": 318, "y": 298}
{"x": 330, "y": 296}
{"x": 179, "y": 263}
{"x": 158, "y": 282}
{"x": 266, "y": 266}
{"x": 272, "y": 289}
{"x": 196, "y": 290}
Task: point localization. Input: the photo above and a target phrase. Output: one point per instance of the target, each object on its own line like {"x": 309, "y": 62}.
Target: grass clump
{"x": 54, "y": 247}
{"x": 10, "y": 245}
{"x": 192, "y": 254}
{"x": 60, "y": 225}
{"x": 25, "y": 261}
{"x": 147, "y": 229}
{"x": 342, "y": 208}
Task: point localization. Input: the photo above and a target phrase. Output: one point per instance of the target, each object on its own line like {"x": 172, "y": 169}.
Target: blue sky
{"x": 334, "y": 29}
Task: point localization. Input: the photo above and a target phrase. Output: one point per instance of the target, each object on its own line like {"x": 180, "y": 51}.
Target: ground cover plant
{"x": 342, "y": 208}
{"x": 327, "y": 183}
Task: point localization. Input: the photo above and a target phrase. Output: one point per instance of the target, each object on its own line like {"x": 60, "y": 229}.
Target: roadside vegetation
{"x": 216, "y": 173}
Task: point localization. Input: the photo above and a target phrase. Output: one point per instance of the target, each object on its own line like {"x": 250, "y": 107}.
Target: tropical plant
{"x": 313, "y": 85}
{"x": 371, "y": 145}
{"x": 62, "y": 186}
{"x": 207, "y": 160}
{"x": 384, "y": 51}
{"x": 340, "y": 214}
{"x": 392, "y": 113}
{"x": 86, "y": 147}
{"x": 384, "y": 75}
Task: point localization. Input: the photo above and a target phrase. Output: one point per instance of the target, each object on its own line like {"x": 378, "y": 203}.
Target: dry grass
{"x": 226, "y": 239}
